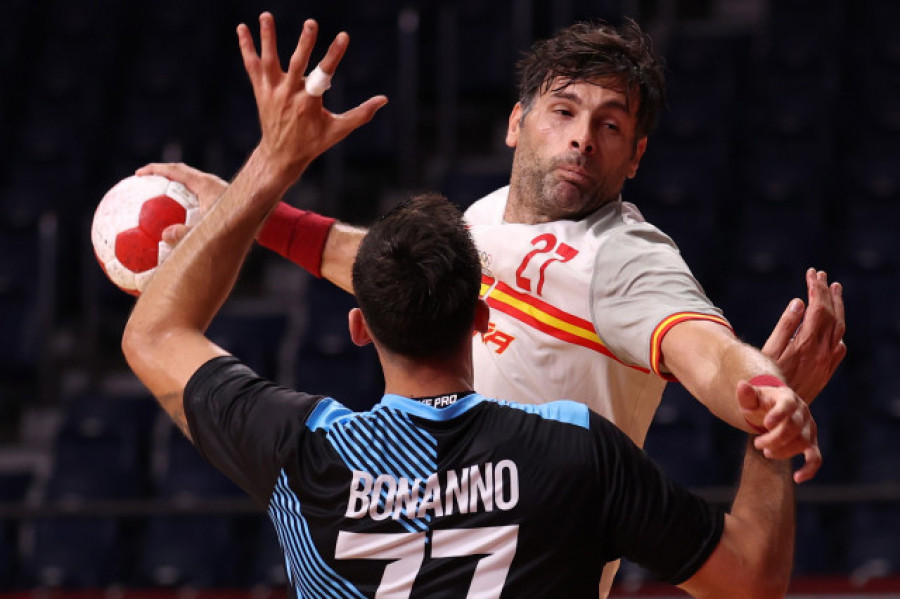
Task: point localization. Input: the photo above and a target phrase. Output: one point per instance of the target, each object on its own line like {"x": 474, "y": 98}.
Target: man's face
{"x": 573, "y": 151}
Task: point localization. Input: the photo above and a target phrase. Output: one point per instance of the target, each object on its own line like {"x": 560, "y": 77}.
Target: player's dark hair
{"x": 620, "y": 58}
{"x": 416, "y": 278}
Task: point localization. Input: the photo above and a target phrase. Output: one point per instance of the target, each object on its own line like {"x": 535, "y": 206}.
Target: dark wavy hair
{"x": 620, "y": 58}
{"x": 417, "y": 277}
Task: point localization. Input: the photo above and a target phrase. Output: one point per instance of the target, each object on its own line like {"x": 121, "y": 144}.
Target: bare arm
{"x": 755, "y": 554}
{"x": 710, "y": 362}
{"x": 339, "y": 254}
{"x": 164, "y": 340}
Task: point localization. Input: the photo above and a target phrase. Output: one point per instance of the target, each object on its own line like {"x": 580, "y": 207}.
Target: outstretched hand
{"x": 281, "y": 98}
{"x": 295, "y": 126}
{"x": 785, "y": 425}
{"x": 807, "y": 343}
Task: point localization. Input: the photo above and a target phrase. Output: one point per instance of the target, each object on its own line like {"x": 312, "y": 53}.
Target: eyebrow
{"x": 575, "y": 98}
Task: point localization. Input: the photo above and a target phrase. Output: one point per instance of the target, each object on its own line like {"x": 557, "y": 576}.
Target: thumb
{"x": 174, "y": 233}
{"x": 784, "y": 330}
{"x": 751, "y": 407}
{"x": 748, "y": 397}
{"x": 360, "y": 115}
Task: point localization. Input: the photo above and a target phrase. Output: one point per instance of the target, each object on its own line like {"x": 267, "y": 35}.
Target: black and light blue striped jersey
{"x": 481, "y": 498}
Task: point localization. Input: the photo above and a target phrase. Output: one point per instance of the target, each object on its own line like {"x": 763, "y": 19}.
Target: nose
{"x": 582, "y": 140}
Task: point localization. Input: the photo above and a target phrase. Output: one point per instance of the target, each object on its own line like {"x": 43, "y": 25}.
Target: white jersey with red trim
{"x": 579, "y": 309}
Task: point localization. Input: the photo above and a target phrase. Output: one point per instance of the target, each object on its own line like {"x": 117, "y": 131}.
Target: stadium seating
{"x": 192, "y": 549}
{"x": 873, "y": 549}
{"x": 98, "y": 456}
{"x": 14, "y": 487}
{"x": 681, "y": 440}
{"x": 328, "y": 362}
{"x": 267, "y": 567}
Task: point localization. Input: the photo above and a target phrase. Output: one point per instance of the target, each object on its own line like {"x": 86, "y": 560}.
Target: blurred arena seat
{"x": 681, "y": 440}
{"x": 15, "y": 485}
{"x": 194, "y": 550}
{"x": 267, "y": 567}
{"x": 98, "y": 456}
{"x": 328, "y": 362}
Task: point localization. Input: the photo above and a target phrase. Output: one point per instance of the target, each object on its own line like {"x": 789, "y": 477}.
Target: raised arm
{"x": 164, "y": 340}
{"x": 754, "y": 556}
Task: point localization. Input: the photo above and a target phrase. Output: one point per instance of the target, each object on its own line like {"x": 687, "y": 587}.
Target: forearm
{"x": 754, "y": 556}
{"x": 321, "y": 245}
{"x": 709, "y": 361}
{"x": 737, "y": 362}
{"x": 764, "y": 513}
{"x": 196, "y": 279}
{"x": 339, "y": 253}
{"x": 163, "y": 340}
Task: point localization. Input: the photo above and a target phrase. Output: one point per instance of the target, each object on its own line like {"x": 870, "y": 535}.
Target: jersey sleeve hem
{"x": 695, "y": 564}
{"x": 664, "y": 327}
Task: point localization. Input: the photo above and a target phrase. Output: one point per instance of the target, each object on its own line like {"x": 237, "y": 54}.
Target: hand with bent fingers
{"x": 785, "y": 424}
{"x": 207, "y": 187}
{"x": 807, "y": 343}
{"x": 278, "y": 96}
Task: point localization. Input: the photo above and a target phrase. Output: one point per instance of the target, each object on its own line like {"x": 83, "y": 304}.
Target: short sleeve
{"x": 651, "y": 520}
{"x": 640, "y": 282}
{"x": 246, "y": 426}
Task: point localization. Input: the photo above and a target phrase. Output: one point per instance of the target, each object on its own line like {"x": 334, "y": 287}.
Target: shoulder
{"x": 226, "y": 387}
{"x": 622, "y": 224}
{"x": 560, "y": 411}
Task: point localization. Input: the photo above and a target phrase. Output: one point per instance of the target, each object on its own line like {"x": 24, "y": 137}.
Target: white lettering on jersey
{"x": 488, "y": 485}
{"x": 441, "y": 401}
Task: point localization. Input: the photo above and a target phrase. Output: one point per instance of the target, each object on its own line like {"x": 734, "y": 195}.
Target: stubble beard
{"x": 544, "y": 197}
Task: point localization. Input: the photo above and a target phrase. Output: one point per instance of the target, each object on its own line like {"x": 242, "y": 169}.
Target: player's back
{"x": 477, "y": 498}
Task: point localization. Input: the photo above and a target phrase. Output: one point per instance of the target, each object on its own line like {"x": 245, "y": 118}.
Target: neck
{"x": 427, "y": 378}
{"x": 516, "y": 212}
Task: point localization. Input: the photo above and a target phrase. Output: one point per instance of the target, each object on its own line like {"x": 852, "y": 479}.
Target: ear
{"x": 512, "y": 128}
{"x": 359, "y": 330}
{"x": 482, "y": 316}
{"x": 638, "y": 154}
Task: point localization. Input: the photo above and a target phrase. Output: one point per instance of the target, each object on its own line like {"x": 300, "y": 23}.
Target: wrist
{"x": 297, "y": 235}
{"x": 268, "y": 180}
{"x": 275, "y": 170}
{"x": 763, "y": 380}
{"x": 777, "y": 466}
{"x": 767, "y": 380}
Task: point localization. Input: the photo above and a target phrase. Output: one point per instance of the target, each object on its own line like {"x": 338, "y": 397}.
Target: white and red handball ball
{"x": 127, "y": 228}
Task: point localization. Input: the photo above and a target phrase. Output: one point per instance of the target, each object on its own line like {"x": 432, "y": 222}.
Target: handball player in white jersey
{"x": 588, "y": 301}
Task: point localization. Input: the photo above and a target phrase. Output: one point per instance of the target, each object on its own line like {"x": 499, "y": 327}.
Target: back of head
{"x": 620, "y": 58}
{"x": 416, "y": 278}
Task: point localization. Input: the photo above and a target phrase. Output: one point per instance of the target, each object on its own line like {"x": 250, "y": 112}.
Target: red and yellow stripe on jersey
{"x": 662, "y": 328}
{"x": 572, "y": 329}
{"x": 544, "y": 317}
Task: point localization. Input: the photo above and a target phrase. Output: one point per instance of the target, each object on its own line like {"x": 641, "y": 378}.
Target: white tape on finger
{"x": 317, "y": 82}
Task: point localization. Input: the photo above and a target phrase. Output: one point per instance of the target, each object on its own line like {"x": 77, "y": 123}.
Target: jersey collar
{"x": 416, "y": 408}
